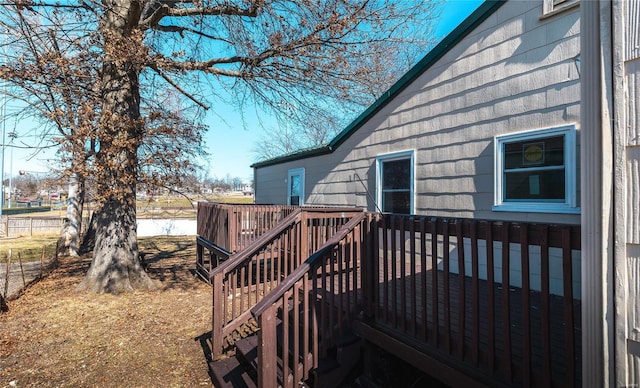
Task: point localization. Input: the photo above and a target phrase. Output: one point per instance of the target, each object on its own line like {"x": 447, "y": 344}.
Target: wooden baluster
{"x": 462, "y": 308}
{"x": 567, "y": 277}
{"x": 475, "y": 292}
{"x": 385, "y": 269}
{"x": 267, "y": 345}
{"x": 506, "y": 310}
{"x": 447, "y": 289}
{"x": 424, "y": 291}
{"x": 394, "y": 273}
{"x": 491, "y": 299}
{"x": 526, "y": 306}
{"x": 546, "y": 310}
{"x": 412, "y": 272}
{"x": 217, "y": 317}
{"x": 434, "y": 281}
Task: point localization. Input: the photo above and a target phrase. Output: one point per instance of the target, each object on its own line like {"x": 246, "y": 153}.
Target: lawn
{"x": 55, "y": 336}
{"x": 174, "y": 206}
{"x": 28, "y": 248}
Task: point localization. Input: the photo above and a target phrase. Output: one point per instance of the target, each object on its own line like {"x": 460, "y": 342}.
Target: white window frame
{"x": 402, "y": 155}
{"x": 290, "y": 174}
{"x": 569, "y": 205}
{"x": 553, "y": 7}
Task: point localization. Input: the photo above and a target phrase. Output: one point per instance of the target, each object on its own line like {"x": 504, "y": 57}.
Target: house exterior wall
{"x": 631, "y": 267}
{"x": 624, "y": 92}
{"x": 515, "y": 72}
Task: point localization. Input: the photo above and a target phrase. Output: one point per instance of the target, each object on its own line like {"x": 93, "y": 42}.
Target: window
{"x": 295, "y": 187}
{"x": 552, "y": 7}
{"x": 536, "y": 171}
{"x": 395, "y": 182}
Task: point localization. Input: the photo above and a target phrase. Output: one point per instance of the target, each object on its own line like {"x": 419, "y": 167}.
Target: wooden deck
{"x": 526, "y": 333}
{"x": 482, "y": 351}
{"x": 510, "y": 320}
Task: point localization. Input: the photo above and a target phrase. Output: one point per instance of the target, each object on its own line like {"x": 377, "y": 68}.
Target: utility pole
{"x": 12, "y": 136}
{"x": 4, "y": 132}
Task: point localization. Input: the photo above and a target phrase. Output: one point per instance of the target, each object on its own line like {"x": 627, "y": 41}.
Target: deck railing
{"x": 224, "y": 229}
{"x": 316, "y": 305}
{"x": 235, "y": 226}
{"x": 212, "y": 258}
{"x": 499, "y": 298}
{"x": 248, "y": 276}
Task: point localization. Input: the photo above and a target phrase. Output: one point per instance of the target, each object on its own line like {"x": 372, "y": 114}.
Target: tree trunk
{"x": 69, "y": 242}
{"x": 116, "y": 266}
{"x": 3, "y": 304}
{"x": 89, "y": 238}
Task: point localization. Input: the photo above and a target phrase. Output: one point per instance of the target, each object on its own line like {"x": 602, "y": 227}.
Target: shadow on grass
{"x": 170, "y": 260}
{"x": 205, "y": 344}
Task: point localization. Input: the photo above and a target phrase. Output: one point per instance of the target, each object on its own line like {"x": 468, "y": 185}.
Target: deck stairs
{"x": 241, "y": 370}
{"x": 307, "y": 311}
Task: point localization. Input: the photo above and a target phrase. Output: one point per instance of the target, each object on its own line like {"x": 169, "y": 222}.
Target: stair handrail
{"x": 265, "y": 314}
{"x": 238, "y": 258}
{"x": 220, "y": 327}
{"x": 227, "y": 314}
{"x": 296, "y": 275}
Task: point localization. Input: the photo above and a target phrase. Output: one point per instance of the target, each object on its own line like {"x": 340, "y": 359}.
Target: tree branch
{"x": 180, "y": 89}
{"x": 33, "y": 4}
{"x": 180, "y": 30}
{"x": 165, "y": 10}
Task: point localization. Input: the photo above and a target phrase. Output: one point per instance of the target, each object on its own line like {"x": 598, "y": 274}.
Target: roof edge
{"x": 478, "y": 16}
{"x": 321, "y": 150}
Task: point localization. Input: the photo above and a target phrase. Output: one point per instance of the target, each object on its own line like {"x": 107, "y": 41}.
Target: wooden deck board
{"x": 557, "y": 326}
{"x": 463, "y": 320}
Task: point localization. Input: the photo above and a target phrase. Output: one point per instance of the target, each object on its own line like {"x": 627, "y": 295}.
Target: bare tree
{"x": 322, "y": 56}
{"x": 297, "y": 133}
{"x": 54, "y": 73}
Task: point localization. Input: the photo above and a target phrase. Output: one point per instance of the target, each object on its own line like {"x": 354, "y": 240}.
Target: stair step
{"x": 347, "y": 339}
{"x": 247, "y": 353}
{"x": 332, "y": 371}
{"x": 247, "y": 350}
{"x": 229, "y": 373}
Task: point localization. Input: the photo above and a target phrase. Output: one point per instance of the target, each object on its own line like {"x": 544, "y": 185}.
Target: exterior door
{"x": 295, "y": 187}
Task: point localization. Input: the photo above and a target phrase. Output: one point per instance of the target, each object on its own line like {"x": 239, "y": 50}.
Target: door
{"x": 295, "y": 187}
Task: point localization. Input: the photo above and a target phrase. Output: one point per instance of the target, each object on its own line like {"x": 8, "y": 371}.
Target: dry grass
{"x": 26, "y": 243}
{"x": 29, "y": 248}
{"x": 55, "y": 336}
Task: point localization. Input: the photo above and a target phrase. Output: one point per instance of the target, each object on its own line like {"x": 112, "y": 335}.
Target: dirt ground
{"x": 55, "y": 336}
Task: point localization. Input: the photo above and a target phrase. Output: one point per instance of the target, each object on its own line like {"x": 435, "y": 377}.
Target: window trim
{"x": 569, "y": 205}
{"x": 290, "y": 173}
{"x": 401, "y": 155}
{"x": 554, "y": 7}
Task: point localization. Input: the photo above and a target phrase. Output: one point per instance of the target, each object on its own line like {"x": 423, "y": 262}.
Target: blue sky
{"x": 232, "y": 135}
{"x": 232, "y": 143}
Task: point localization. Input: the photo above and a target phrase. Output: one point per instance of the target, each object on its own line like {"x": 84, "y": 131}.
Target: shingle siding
{"x": 513, "y": 73}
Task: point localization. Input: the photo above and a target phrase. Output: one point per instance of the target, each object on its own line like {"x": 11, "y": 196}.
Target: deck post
{"x": 217, "y": 317}
{"x": 267, "y": 345}
{"x": 368, "y": 264}
{"x": 304, "y": 238}
{"x": 198, "y": 253}
{"x": 232, "y": 222}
